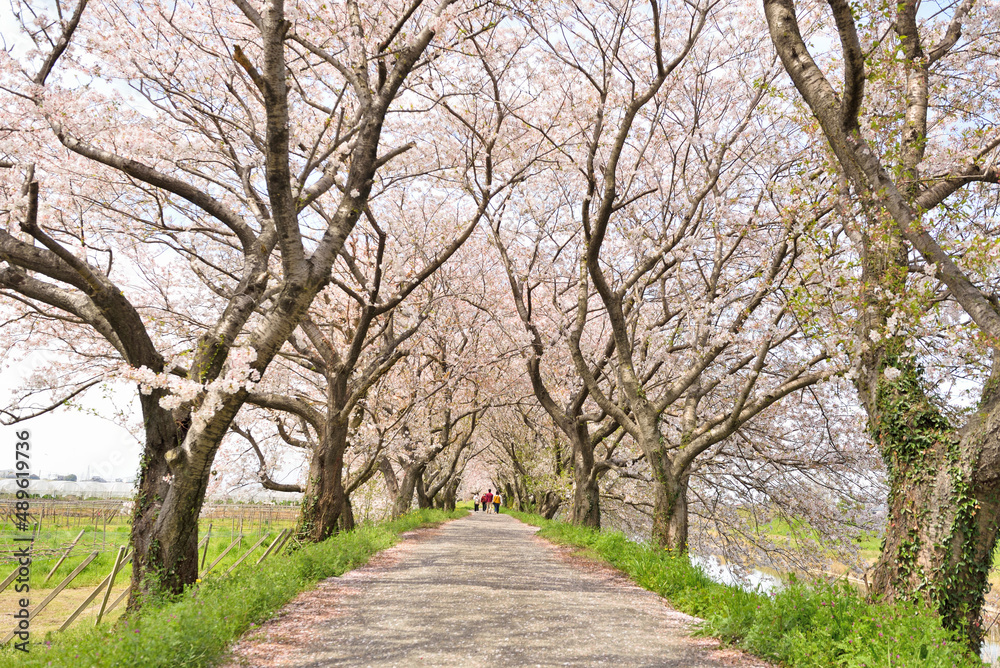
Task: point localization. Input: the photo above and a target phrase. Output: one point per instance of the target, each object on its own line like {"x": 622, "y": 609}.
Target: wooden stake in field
{"x": 224, "y": 553}
{"x": 270, "y": 547}
{"x": 111, "y": 583}
{"x": 9, "y": 578}
{"x": 107, "y": 582}
{"x": 55, "y": 592}
{"x": 282, "y": 545}
{"x": 66, "y": 554}
{"x": 208, "y": 540}
{"x": 240, "y": 560}
{"x": 121, "y": 597}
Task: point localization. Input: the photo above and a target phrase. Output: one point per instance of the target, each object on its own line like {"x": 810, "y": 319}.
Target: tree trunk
{"x": 944, "y": 500}
{"x": 404, "y": 499}
{"x": 389, "y": 476}
{"x": 586, "y": 499}
{"x": 586, "y": 490}
{"x": 423, "y": 501}
{"x": 173, "y": 551}
{"x": 173, "y": 546}
{"x": 164, "y": 557}
{"x": 943, "y": 482}
{"x": 518, "y": 500}
{"x": 325, "y": 500}
{"x": 508, "y": 493}
{"x": 549, "y": 505}
{"x": 346, "y": 521}
{"x": 670, "y": 515}
{"x": 450, "y": 494}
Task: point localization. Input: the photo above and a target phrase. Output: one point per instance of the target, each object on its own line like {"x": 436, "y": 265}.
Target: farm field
{"x": 100, "y": 528}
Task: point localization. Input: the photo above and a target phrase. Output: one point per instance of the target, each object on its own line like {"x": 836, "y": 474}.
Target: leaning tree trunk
{"x": 586, "y": 490}
{"x": 167, "y": 558}
{"x": 173, "y": 546}
{"x": 549, "y": 505}
{"x": 943, "y": 482}
{"x": 404, "y": 498}
{"x": 325, "y": 499}
{"x": 173, "y": 551}
{"x": 943, "y": 506}
{"x": 391, "y": 484}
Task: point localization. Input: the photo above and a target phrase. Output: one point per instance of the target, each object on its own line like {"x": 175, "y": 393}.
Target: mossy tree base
{"x": 944, "y": 500}
{"x": 325, "y": 503}
{"x": 586, "y": 490}
{"x": 670, "y": 510}
{"x": 165, "y": 556}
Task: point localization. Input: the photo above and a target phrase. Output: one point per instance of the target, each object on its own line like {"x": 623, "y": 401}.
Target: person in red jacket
{"x": 486, "y": 499}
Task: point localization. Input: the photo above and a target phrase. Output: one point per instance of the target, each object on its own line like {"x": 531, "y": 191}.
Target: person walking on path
{"x": 497, "y": 500}
{"x": 486, "y": 499}
{"x": 475, "y": 501}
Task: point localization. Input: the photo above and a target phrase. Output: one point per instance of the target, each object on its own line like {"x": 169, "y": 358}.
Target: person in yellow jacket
{"x": 497, "y": 500}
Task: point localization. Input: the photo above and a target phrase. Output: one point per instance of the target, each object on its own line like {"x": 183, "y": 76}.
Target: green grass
{"x": 779, "y": 530}
{"x": 196, "y": 627}
{"x": 808, "y": 625}
{"x": 107, "y": 543}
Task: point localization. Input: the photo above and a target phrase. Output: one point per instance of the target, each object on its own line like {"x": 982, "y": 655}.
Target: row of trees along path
{"x": 685, "y": 257}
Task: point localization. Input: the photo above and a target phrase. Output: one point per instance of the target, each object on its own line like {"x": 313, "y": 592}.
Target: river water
{"x": 751, "y": 580}
{"x": 990, "y": 653}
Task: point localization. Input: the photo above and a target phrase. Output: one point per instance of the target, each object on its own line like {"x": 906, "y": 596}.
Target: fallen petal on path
{"x": 481, "y": 591}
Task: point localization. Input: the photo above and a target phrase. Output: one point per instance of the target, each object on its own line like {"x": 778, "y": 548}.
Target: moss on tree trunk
{"x": 943, "y": 502}
{"x": 586, "y": 490}
{"x": 163, "y": 558}
{"x": 325, "y": 505}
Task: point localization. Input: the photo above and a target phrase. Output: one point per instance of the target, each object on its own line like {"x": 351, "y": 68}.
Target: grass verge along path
{"x": 195, "y": 628}
{"x": 804, "y": 625}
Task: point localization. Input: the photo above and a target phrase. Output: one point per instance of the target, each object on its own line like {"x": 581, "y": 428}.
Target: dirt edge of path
{"x": 291, "y": 622}
{"x": 586, "y": 560}
{"x": 294, "y": 623}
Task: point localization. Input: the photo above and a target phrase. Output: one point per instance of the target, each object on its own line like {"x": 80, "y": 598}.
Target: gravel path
{"x": 480, "y": 591}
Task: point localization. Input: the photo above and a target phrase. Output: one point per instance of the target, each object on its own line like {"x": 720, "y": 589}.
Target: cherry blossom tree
{"x": 676, "y": 315}
{"x": 341, "y": 330}
{"x": 252, "y": 156}
{"x": 907, "y": 132}
{"x": 531, "y": 463}
{"x": 442, "y": 422}
{"x": 428, "y": 244}
{"x": 536, "y": 278}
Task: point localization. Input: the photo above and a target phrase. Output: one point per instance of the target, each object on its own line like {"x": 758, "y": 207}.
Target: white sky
{"x": 68, "y": 440}
{"x": 74, "y": 439}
